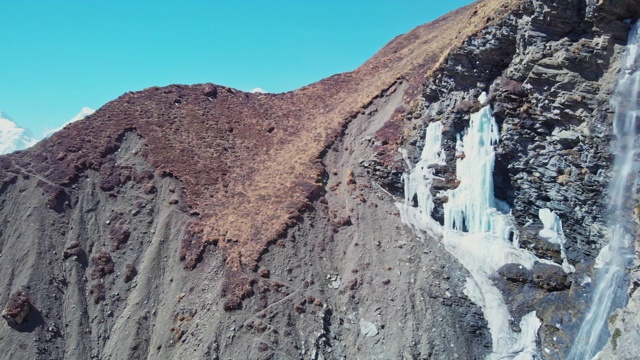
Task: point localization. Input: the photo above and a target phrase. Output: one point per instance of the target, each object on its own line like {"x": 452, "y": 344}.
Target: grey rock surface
{"x": 549, "y": 88}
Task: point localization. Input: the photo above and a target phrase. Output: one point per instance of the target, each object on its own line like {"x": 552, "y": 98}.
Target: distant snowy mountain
{"x": 81, "y": 115}
{"x": 12, "y": 136}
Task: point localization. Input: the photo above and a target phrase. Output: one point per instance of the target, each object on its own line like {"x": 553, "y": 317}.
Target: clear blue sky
{"x": 58, "y": 56}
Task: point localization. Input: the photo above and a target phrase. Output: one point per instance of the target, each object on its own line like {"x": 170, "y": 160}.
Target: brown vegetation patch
{"x": 119, "y": 232}
{"x": 236, "y": 287}
{"x": 248, "y": 161}
{"x": 192, "y": 245}
{"x": 98, "y": 292}
{"x": 182, "y": 320}
{"x": 101, "y": 265}
{"x": 130, "y": 272}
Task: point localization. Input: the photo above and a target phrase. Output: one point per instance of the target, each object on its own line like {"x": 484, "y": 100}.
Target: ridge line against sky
{"x": 59, "y": 56}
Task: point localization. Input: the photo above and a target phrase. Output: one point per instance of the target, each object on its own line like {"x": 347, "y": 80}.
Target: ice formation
{"x": 611, "y": 263}
{"x": 471, "y": 207}
{"x": 480, "y": 236}
{"x": 553, "y": 233}
{"x": 417, "y": 183}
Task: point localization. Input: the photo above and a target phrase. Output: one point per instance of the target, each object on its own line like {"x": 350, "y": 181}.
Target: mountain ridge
{"x": 204, "y": 222}
{"x": 84, "y": 112}
{"x": 235, "y": 215}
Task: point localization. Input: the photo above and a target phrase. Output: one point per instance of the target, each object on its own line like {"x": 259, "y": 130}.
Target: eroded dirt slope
{"x": 249, "y": 162}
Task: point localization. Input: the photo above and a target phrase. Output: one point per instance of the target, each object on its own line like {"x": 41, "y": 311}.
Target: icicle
{"x": 471, "y": 206}
{"x": 553, "y": 233}
{"x": 417, "y": 183}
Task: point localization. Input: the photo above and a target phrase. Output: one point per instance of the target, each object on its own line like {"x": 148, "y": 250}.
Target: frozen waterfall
{"x": 611, "y": 291}
{"x": 417, "y": 184}
{"x": 471, "y": 206}
{"x": 482, "y": 238}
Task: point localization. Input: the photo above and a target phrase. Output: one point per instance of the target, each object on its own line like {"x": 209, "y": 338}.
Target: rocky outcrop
{"x": 145, "y": 230}
{"x": 549, "y": 78}
{"x": 17, "y": 308}
{"x": 624, "y": 327}
{"x": 549, "y": 70}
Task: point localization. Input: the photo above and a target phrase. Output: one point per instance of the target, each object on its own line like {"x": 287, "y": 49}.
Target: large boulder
{"x": 550, "y": 277}
{"x": 17, "y": 308}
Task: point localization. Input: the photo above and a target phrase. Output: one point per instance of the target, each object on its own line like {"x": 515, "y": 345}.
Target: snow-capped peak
{"x": 4, "y": 115}
{"x": 12, "y": 136}
{"x": 258, "y": 91}
{"x": 81, "y": 115}
{"x": 86, "y": 111}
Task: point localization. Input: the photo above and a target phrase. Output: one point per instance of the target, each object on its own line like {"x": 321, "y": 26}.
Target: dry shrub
{"x": 119, "y": 235}
{"x": 143, "y": 176}
{"x": 73, "y": 249}
{"x": 102, "y": 265}
{"x": 97, "y": 292}
{"x": 236, "y": 287}
{"x": 130, "y": 272}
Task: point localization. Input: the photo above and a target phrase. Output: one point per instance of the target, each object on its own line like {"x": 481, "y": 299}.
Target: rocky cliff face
{"x": 202, "y": 222}
{"x": 549, "y": 70}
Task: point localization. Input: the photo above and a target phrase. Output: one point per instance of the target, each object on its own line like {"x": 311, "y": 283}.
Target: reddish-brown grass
{"x": 248, "y": 161}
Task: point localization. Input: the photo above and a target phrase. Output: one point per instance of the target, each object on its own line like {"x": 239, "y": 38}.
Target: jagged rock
{"x": 624, "y": 327}
{"x": 621, "y": 9}
{"x": 17, "y": 308}
{"x": 542, "y": 248}
{"x": 368, "y": 328}
{"x": 550, "y": 277}
{"x": 515, "y": 273}
{"x": 567, "y": 139}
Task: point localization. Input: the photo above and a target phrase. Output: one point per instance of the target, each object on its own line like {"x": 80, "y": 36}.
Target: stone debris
{"x": 334, "y": 281}
{"x": 368, "y": 328}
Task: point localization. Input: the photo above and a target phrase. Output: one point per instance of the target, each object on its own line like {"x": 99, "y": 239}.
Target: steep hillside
{"x": 249, "y": 162}
{"x": 204, "y": 222}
